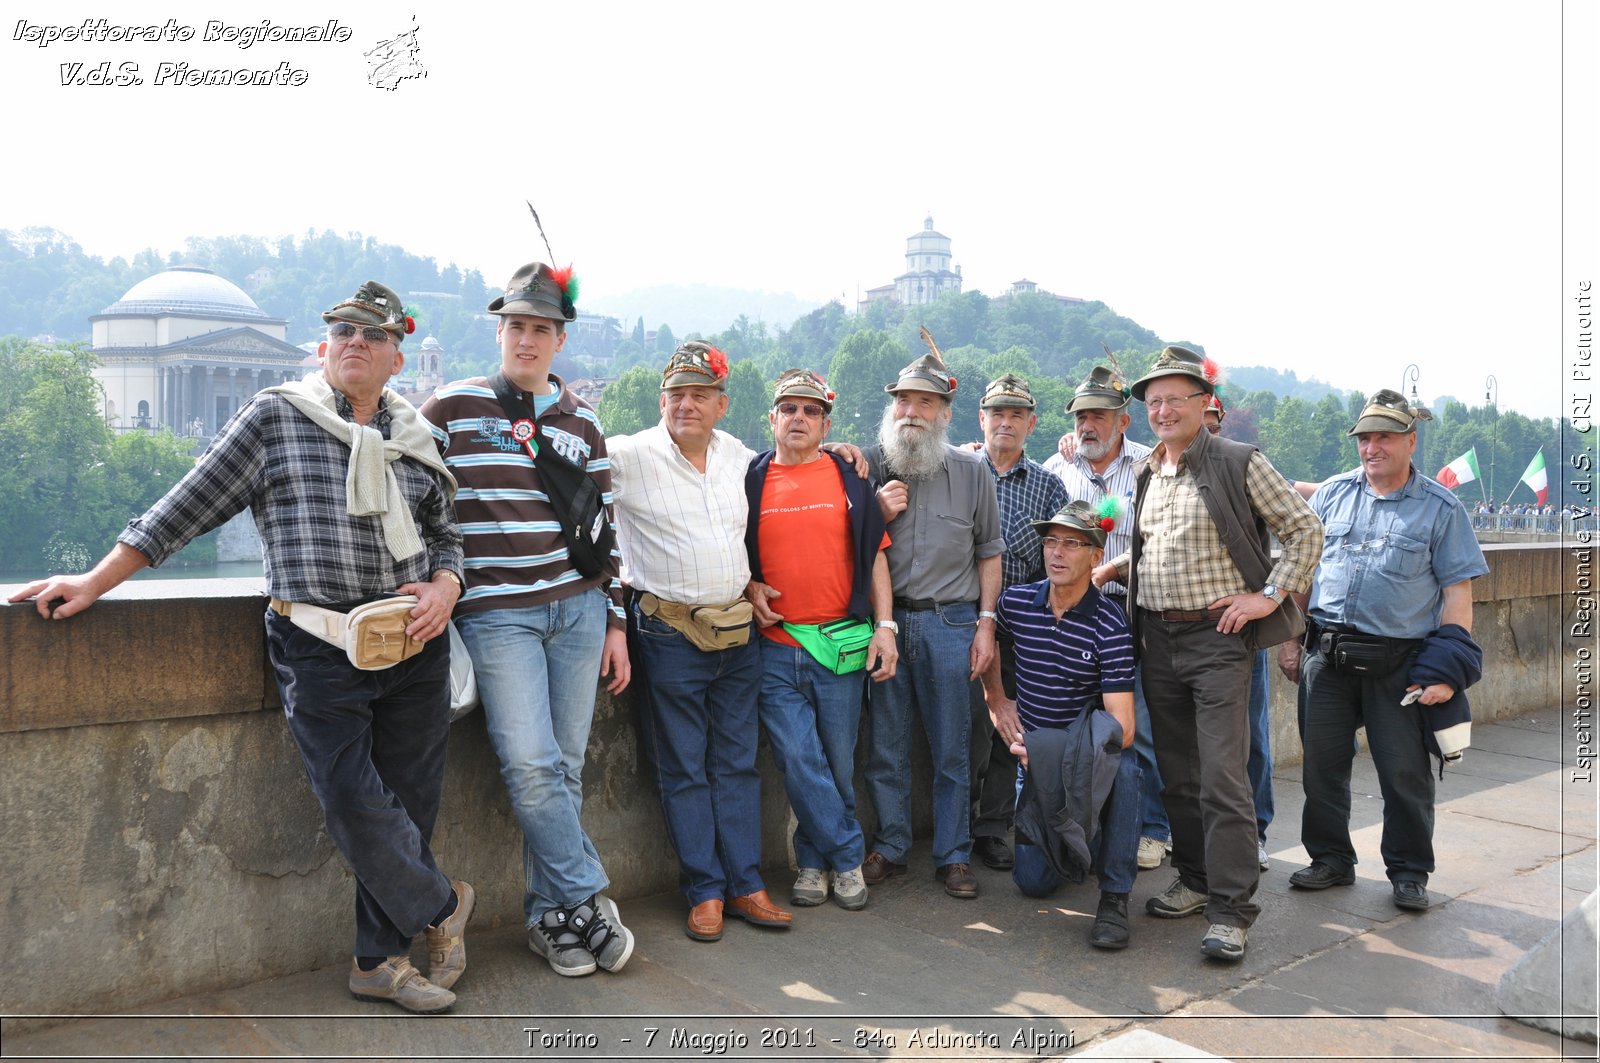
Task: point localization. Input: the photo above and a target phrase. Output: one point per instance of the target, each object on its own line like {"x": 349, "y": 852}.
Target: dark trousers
{"x": 1197, "y": 684}
{"x": 1335, "y": 705}
{"x": 373, "y": 744}
{"x": 993, "y": 767}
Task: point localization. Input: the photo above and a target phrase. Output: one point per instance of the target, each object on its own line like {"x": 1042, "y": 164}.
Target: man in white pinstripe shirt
{"x": 681, "y": 514}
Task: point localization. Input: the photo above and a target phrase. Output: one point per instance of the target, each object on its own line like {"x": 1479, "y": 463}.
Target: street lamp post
{"x": 1491, "y": 395}
{"x": 1410, "y": 375}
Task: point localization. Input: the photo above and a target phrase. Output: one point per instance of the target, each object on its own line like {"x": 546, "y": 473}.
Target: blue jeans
{"x": 537, "y": 668}
{"x": 813, "y": 718}
{"x": 373, "y": 744}
{"x": 1154, "y": 813}
{"x": 930, "y": 682}
{"x": 698, "y": 717}
{"x": 1115, "y": 846}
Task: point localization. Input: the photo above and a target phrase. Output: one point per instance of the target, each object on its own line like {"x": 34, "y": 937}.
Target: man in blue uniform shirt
{"x": 1397, "y": 567}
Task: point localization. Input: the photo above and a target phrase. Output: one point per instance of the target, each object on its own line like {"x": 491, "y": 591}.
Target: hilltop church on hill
{"x": 930, "y": 273}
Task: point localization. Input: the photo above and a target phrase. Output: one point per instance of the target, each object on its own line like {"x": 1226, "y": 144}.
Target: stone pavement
{"x": 1340, "y": 974}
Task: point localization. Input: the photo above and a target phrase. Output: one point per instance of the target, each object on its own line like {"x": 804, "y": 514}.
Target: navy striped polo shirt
{"x": 1062, "y": 664}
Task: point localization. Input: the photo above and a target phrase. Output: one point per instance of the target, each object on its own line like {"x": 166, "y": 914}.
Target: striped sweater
{"x": 516, "y": 556}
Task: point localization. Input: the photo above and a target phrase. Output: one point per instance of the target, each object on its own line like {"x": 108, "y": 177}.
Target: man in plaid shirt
{"x": 1026, "y": 492}
{"x": 353, "y": 506}
{"x": 1206, "y": 592}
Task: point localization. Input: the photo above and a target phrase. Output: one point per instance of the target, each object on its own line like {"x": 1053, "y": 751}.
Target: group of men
{"x": 1076, "y": 641}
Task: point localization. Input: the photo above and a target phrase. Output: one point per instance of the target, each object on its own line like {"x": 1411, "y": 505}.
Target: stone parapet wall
{"x": 160, "y": 838}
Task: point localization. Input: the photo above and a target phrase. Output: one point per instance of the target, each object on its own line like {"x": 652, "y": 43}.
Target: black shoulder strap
{"x": 510, "y": 401}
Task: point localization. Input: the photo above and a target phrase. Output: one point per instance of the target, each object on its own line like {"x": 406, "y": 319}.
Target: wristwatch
{"x": 891, "y": 625}
{"x": 988, "y": 614}
{"x": 1274, "y": 592}
{"x": 452, "y": 575}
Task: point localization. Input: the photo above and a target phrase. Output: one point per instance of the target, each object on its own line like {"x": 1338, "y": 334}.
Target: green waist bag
{"x": 840, "y": 646}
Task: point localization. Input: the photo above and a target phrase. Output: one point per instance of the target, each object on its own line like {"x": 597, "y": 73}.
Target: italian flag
{"x": 1536, "y": 479}
{"x": 1463, "y": 470}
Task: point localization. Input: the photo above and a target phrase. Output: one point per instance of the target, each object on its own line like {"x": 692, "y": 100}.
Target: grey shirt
{"x": 950, "y": 521}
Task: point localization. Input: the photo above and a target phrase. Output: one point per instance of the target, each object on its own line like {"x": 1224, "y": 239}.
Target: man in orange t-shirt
{"x": 815, "y": 540}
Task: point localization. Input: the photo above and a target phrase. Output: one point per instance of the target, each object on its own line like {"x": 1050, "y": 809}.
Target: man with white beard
{"x": 944, "y": 564}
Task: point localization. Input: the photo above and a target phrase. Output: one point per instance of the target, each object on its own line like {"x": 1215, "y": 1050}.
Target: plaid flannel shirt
{"x": 291, "y": 474}
{"x": 1026, "y": 492}
{"x": 1184, "y": 564}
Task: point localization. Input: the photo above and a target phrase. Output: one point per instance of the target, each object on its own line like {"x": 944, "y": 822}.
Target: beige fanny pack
{"x": 373, "y": 636}
{"x": 709, "y": 627}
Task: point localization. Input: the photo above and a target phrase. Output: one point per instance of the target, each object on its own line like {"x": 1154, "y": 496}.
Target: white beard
{"x": 1096, "y": 451}
{"x": 913, "y": 454}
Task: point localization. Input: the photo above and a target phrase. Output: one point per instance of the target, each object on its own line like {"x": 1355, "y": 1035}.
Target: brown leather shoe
{"x": 758, "y": 908}
{"x": 705, "y": 921}
{"x": 959, "y": 881}
{"x": 878, "y": 867}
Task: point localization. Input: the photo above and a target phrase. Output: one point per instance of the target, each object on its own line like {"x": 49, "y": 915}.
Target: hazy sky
{"x": 1339, "y": 189}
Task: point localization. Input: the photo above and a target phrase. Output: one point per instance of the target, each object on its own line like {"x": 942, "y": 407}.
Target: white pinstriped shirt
{"x": 681, "y": 530}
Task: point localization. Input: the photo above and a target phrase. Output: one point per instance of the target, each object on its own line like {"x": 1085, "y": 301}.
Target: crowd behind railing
{"x": 1529, "y": 518}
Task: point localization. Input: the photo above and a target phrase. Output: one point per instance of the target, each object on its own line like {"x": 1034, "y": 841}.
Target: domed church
{"x": 185, "y": 349}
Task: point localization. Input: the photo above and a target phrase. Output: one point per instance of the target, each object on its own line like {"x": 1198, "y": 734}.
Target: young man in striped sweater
{"x": 540, "y": 632}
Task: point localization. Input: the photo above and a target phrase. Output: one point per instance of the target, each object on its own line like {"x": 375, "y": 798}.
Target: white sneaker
{"x": 1223, "y": 942}
{"x": 850, "y": 889}
{"x": 1261, "y": 855}
{"x": 810, "y": 888}
{"x": 1151, "y": 853}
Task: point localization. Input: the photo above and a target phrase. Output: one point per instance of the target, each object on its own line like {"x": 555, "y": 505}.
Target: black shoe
{"x": 993, "y": 852}
{"x": 1110, "y": 922}
{"x": 1410, "y": 895}
{"x": 1320, "y": 876}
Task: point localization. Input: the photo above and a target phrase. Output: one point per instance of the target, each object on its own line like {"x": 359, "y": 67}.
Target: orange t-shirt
{"x": 806, "y": 548}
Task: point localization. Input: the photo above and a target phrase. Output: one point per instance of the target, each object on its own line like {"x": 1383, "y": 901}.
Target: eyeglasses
{"x": 343, "y": 330}
{"x": 1055, "y": 542}
{"x": 1172, "y": 404}
{"x": 811, "y": 409}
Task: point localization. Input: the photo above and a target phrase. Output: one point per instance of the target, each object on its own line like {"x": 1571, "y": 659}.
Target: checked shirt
{"x": 291, "y": 474}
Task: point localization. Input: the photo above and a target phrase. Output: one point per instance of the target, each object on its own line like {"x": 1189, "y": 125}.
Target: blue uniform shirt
{"x": 1385, "y": 560}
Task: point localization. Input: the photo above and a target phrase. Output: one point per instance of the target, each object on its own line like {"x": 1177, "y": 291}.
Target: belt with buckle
{"x": 1186, "y": 616}
{"x": 917, "y": 603}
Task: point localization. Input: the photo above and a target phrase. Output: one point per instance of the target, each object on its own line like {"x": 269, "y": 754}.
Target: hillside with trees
{"x": 72, "y": 483}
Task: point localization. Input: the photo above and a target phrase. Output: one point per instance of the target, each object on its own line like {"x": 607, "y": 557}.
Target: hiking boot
{"x": 1110, "y": 929}
{"x": 850, "y": 890}
{"x": 810, "y": 888}
{"x": 395, "y": 981}
{"x": 1178, "y": 901}
{"x": 553, "y": 938}
{"x": 1223, "y": 942}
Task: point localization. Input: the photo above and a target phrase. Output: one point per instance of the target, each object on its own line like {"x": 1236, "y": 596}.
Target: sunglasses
{"x": 343, "y": 330}
{"x": 811, "y": 409}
